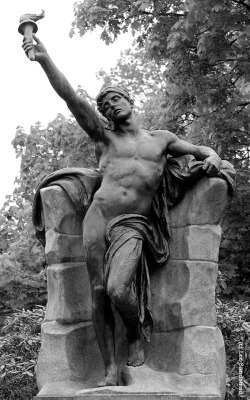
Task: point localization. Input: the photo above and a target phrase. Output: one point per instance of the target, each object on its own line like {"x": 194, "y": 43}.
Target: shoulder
{"x": 164, "y": 135}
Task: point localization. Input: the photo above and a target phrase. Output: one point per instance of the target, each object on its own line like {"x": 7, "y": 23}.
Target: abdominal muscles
{"x": 128, "y": 186}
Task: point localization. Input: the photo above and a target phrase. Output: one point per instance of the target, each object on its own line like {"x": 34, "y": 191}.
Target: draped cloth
{"x": 79, "y": 184}
{"x": 151, "y": 235}
{"x": 144, "y": 241}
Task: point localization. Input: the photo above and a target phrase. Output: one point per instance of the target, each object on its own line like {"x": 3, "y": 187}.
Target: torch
{"x": 27, "y": 27}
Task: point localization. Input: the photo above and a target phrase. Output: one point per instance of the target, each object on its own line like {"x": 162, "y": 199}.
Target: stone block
{"x": 63, "y": 248}
{"x": 69, "y": 353}
{"x": 183, "y": 295}
{"x": 186, "y": 364}
{"x": 59, "y": 212}
{"x": 111, "y": 393}
{"x": 196, "y": 242}
{"x": 69, "y": 296}
{"x": 191, "y": 360}
{"x": 203, "y": 204}
{"x": 183, "y": 364}
{"x": 192, "y": 350}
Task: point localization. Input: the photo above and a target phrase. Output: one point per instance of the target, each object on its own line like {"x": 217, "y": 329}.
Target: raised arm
{"x": 212, "y": 161}
{"x": 82, "y": 111}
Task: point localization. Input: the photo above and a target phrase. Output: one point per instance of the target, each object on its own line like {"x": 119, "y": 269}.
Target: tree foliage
{"x": 44, "y": 150}
{"x": 205, "y": 46}
{"x": 198, "y": 52}
{"x": 142, "y": 77}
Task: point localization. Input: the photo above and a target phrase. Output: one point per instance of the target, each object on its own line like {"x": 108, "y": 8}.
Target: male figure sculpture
{"x": 131, "y": 162}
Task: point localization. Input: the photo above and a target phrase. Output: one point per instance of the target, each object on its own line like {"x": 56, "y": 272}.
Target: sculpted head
{"x": 114, "y": 103}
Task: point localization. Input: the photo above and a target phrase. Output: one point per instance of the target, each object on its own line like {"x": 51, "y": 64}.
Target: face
{"x": 116, "y": 107}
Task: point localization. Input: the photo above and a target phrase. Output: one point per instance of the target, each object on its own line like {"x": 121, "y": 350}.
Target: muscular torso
{"x": 132, "y": 168}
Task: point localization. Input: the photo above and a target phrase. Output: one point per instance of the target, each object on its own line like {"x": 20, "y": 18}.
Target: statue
{"x": 126, "y": 226}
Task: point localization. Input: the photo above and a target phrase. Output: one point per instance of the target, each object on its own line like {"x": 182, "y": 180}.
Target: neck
{"x": 128, "y": 126}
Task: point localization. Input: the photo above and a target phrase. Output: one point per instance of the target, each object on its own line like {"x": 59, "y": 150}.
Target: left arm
{"x": 177, "y": 147}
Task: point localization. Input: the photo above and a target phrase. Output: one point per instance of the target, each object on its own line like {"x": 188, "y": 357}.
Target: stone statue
{"x": 126, "y": 226}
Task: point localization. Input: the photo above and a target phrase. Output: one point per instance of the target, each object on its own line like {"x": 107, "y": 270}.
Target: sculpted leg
{"x": 102, "y": 316}
{"x": 104, "y": 325}
{"x": 122, "y": 292}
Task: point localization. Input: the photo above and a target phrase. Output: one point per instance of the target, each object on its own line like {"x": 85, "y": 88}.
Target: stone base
{"x": 185, "y": 362}
{"x": 77, "y": 391}
{"x": 108, "y": 395}
{"x": 137, "y": 383}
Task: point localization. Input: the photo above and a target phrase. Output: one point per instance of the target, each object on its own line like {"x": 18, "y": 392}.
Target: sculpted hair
{"x": 116, "y": 89}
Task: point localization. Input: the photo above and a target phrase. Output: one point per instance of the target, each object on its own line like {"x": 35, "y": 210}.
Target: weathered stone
{"x": 63, "y": 248}
{"x": 69, "y": 297}
{"x": 178, "y": 365}
{"x": 61, "y": 390}
{"x": 112, "y": 394}
{"x": 203, "y": 204}
{"x": 196, "y": 242}
{"x": 59, "y": 212}
{"x": 183, "y": 294}
{"x": 192, "y": 350}
{"x": 116, "y": 393}
{"x": 69, "y": 352}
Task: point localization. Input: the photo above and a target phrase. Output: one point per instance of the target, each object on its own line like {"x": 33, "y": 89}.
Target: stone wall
{"x": 186, "y": 356}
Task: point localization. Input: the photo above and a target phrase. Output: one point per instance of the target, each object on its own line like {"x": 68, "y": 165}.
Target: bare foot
{"x": 136, "y": 354}
{"x": 111, "y": 378}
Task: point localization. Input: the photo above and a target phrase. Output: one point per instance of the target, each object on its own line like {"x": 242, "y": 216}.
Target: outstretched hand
{"x": 39, "y": 49}
{"x": 212, "y": 165}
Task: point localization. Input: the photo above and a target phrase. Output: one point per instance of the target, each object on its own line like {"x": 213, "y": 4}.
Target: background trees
{"x": 201, "y": 52}
{"x": 44, "y": 150}
{"x": 204, "y": 46}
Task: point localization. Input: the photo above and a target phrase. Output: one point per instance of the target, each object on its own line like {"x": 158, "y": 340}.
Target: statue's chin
{"x": 121, "y": 117}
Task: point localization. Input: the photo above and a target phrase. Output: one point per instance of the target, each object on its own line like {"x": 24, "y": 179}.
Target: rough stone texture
{"x": 68, "y": 352}
{"x": 68, "y": 303}
{"x": 186, "y": 357}
{"x": 61, "y": 248}
{"x": 194, "y": 350}
{"x": 59, "y": 213}
{"x": 183, "y": 295}
{"x": 203, "y": 204}
{"x": 196, "y": 242}
{"x": 112, "y": 394}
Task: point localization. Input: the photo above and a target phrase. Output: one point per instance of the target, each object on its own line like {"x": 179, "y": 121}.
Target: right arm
{"x": 82, "y": 111}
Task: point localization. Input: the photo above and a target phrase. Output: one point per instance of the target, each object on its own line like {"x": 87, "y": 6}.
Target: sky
{"x": 26, "y": 94}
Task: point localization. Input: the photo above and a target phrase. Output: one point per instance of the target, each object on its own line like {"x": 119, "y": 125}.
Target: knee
{"x": 98, "y": 290}
{"x": 94, "y": 250}
{"x": 118, "y": 294}
{"x": 98, "y": 295}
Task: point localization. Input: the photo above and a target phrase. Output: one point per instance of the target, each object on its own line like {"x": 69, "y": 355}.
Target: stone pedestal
{"x": 186, "y": 358}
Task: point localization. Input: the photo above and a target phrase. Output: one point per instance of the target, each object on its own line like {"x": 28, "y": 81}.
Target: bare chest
{"x": 144, "y": 147}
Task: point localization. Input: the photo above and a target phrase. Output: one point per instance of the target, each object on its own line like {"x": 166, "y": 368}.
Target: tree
{"x": 44, "y": 150}
{"x": 142, "y": 77}
{"x": 203, "y": 46}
